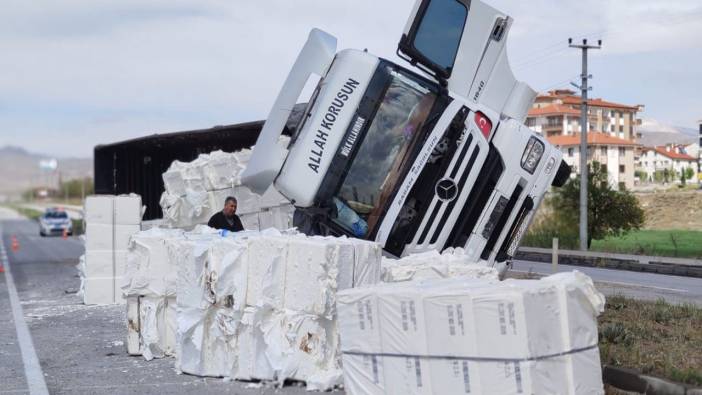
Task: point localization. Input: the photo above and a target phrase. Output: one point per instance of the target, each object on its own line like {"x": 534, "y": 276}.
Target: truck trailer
{"x": 428, "y": 157}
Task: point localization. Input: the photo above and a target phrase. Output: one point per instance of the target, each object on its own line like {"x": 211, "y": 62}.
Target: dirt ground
{"x": 672, "y": 209}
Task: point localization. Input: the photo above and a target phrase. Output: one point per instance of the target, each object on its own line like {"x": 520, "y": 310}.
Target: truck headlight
{"x": 532, "y": 154}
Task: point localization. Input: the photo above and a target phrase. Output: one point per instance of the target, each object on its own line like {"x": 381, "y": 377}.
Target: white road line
{"x": 32, "y": 368}
{"x": 613, "y": 283}
{"x": 634, "y": 285}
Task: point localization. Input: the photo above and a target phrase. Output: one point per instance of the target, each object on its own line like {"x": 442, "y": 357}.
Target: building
{"x": 611, "y": 132}
{"x": 614, "y": 153}
{"x": 618, "y": 120}
{"x": 656, "y": 160}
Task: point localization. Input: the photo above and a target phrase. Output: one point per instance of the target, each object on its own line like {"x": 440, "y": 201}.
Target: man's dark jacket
{"x": 219, "y": 221}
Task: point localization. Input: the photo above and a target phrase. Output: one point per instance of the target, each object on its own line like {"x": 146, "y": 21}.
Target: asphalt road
{"x": 645, "y": 286}
{"x": 81, "y": 349}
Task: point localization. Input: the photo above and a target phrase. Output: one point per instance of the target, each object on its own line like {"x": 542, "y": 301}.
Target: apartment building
{"x": 675, "y": 159}
{"x": 611, "y": 132}
{"x": 614, "y": 153}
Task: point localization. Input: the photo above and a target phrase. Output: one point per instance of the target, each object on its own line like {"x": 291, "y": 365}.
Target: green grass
{"x": 670, "y": 243}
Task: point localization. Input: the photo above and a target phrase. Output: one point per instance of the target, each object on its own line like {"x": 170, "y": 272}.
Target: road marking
{"x": 634, "y": 285}
{"x": 32, "y": 368}
{"x": 605, "y": 282}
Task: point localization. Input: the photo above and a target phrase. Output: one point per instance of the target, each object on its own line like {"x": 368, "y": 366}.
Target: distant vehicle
{"x": 55, "y": 221}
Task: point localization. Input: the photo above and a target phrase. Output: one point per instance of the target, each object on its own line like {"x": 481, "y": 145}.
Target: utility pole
{"x": 583, "y": 138}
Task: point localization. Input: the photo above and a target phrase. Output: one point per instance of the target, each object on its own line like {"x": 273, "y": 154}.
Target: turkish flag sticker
{"x": 484, "y": 124}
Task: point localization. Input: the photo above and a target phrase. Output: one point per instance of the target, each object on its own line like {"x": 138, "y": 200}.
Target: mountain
{"x": 20, "y": 170}
{"x": 654, "y": 133}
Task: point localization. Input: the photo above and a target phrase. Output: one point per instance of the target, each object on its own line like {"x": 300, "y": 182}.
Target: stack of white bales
{"x": 110, "y": 222}
{"x": 452, "y": 262}
{"x": 196, "y": 190}
{"x": 457, "y": 336}
{"x": 150, "y": 291}
{"x": 262, "y": 305}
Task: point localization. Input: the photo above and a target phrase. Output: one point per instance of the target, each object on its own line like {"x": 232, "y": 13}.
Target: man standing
{"x": 227, "y": 218}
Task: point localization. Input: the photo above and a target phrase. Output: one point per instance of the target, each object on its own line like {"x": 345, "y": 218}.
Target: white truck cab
{"x": 415, "y": 160}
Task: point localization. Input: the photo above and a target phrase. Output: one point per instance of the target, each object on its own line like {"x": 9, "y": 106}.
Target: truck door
{"x": 462, "y": 43}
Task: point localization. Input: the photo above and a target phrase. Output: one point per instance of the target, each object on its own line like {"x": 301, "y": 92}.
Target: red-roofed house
{"x": 611, "y": 132}
{"x": 618, "y": 120}
{"x": 614, "y": 153}
{"x": 674, "y": 158}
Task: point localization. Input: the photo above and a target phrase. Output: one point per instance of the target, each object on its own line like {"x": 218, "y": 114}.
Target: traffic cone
{"x": 15, "y": 244}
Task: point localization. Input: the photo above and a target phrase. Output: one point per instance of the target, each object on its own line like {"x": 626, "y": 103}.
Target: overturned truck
{"x": 421, "y": 159}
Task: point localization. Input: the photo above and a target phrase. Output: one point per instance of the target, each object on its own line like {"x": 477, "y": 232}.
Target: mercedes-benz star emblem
{"x": 446, "y": 189}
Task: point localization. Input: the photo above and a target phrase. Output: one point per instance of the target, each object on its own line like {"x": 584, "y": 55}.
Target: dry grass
{"x": 655, "y": 338}
{"x": 672, "y": 210}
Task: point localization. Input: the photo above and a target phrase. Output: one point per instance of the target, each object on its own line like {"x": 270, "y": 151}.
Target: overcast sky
{"x": 74, "y": 73}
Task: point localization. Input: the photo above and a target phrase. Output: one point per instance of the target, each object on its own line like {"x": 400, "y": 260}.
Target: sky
{"x": 77, "y": 73}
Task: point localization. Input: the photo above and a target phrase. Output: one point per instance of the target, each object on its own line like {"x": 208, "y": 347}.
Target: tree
{"x": 683, "y": 173}
{"x": 610, "y": 212}
{"x": 689, "y": 173}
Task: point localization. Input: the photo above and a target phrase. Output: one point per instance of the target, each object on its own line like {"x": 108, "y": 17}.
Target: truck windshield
{"x": 386, "y": 148}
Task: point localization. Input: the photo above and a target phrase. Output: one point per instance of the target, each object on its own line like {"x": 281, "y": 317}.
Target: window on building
{"x": 611, "y": 128}
{"x": 570, "y": 152}
{"x": 531, "y": 122}
{"x": 622, "y": 168}
{"x": 611, "y": 114}
{"x": 622, "y": 186}
{"x": 603, "y": 150}
{"x": 621, "y": 128}
{"x": 622, "y": 151}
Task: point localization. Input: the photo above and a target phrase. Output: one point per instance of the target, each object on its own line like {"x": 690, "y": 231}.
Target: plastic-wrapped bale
{"x": 194, "y": 191}
{"x": 454, "y": 336}
{"x": 150, "y": 290}
{"x": 432, "y": 265}
{"x": 150, "y": 271}
{"x": 110, "y": 222}
{"x": 303, "y": 347}
{"x": 151, "y": 324}
{"x": 205, "y": 336}
{"x": 276, "y": 293}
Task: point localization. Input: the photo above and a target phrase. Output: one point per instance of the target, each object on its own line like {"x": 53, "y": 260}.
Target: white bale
{"x": 432, "y": 265}
{"x": 105, "y": 263}
{"x": 110, "y": 209}
{"x": 102, "y": 290}
{"x": 220, "y": 170}
{"x": 457, "y": 335}
{"x": 157, "y": 326}
{"x": 149, "y": 269}
{"x": 108, "y": 236}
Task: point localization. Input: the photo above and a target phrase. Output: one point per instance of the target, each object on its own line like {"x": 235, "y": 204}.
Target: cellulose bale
{"x": 267, "y": 257}
{"x": 432, "y": 265}
{"x": 152, "y": 326}
{"x": 302, "y": 347}
{"x": 220, "y": 170}
{"x": 109, "y": 209}
{"x": 251, "y": 359}
{"x": 472, "y": 335}
{"x": 149, "y": 269}
{"x": 108, "y": 236}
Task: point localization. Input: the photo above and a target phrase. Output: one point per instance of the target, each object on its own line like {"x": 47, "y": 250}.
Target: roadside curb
{"x": 659, "y": 265}
{"x": 631, "y": 380}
